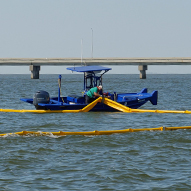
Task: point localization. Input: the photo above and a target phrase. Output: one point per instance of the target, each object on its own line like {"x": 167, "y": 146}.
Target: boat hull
{"x": 98, "y": 107}
{"x": 132, "y": 100}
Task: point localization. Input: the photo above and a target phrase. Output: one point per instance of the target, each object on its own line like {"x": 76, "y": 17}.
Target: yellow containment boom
{"x": 91, "y": 105}
{"x": 123, "y": 108}
{"x": 85, "y": 109}
{"x": 38, "y": 111}
{"x": 88, "y": 133}
{"x": 116, "y": 105}
{"x": 106, "y": 101}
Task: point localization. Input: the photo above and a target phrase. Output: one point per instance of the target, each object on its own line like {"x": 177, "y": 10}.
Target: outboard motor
{"x": 41, "y": 97}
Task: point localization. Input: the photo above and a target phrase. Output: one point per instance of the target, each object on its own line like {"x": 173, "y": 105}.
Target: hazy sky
{"x": 120, "y": 28}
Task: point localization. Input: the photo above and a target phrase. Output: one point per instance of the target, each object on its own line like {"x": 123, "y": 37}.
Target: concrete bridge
{"x": 142, "y": 63}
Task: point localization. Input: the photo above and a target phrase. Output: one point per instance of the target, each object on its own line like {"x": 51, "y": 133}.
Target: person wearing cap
{"x": 92, "y": 94}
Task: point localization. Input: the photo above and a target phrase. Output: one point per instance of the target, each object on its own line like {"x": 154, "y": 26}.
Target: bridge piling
{"x": 142, "y": 69}
{"x": 34, "y": 71}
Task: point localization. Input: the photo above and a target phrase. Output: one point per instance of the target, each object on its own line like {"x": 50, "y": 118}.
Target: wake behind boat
{"x": 92, "y": 78}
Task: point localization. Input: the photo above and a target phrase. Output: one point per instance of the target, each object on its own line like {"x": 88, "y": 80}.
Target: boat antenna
{"x": 81, "y": 51}
{"x": 92, "y": 42}
{"x": 83, "y": 63}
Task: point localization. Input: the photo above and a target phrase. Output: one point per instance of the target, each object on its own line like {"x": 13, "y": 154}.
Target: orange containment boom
{"x": 89, "y": 133}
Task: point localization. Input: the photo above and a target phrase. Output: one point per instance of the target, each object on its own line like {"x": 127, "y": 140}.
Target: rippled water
{"x": 157, "y": 160}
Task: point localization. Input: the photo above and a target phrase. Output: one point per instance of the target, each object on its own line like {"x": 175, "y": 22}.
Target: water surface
{"x": 134, "y": 161}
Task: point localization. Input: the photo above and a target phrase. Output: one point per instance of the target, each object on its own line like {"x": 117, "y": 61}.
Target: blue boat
{"x": 92, "y": 78}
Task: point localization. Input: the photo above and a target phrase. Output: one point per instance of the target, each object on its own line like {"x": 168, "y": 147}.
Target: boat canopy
{"x": 91, "y": 76}
{"x": 88, "y": 68}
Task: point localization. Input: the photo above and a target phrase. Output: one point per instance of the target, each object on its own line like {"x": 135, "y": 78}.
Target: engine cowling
{"x": 40, "y": 97}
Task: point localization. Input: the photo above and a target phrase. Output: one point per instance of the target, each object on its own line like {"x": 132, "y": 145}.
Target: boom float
{"x": 110, "y": 103}
{"x": 88, "y": 133}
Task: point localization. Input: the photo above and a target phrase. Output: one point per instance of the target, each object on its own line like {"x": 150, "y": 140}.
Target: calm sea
{"x": 132, "y": 161}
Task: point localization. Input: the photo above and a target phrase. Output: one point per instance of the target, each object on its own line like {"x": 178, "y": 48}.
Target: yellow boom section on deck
{"x": 106, "y": 101}
{"x": 91, "y": 105}
{"x": 109, "y": 132}
{"x": 116, "y": 105}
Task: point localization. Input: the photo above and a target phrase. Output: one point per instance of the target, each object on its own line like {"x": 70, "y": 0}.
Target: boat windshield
{"x": 92, "y": 75}
{"x": 91, "y": 80}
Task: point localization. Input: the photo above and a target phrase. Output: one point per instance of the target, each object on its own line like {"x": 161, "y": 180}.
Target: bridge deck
{"x": 94, "y": 61}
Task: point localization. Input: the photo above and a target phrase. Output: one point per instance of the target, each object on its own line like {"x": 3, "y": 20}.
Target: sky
{"x": 95, "y": 28}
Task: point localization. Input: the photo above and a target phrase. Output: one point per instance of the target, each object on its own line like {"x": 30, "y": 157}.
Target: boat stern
{"x": 154, "y": 97}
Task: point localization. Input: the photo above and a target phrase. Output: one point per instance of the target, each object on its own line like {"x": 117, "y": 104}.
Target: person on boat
{"x": 93, "y": 94}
